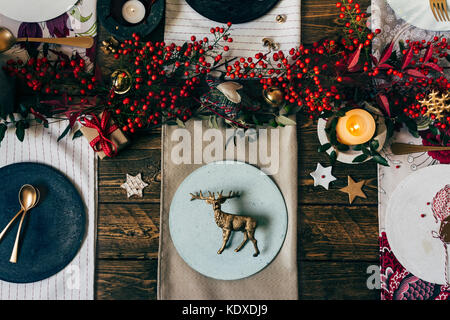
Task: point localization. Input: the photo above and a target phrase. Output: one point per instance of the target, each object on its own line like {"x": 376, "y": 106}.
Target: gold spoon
{"x": 405, "y": 148}
{"x": 7, "y": 40}
{"x": 28, "y": 198}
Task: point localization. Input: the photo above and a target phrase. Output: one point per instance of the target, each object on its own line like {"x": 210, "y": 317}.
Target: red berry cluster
{"x": 165, "y": 76}
{"x": 39, "y": 74}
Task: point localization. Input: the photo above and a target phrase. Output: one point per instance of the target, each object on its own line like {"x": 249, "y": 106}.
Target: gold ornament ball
{"x": 121, "y": 81}
{"x": 274, "y": 96}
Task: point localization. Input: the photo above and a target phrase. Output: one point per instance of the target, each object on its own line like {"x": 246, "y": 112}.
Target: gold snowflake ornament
{"x": 436, "y": 104}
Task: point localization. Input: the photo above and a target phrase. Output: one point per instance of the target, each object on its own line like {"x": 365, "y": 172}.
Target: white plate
{"x": 419, "y": 14}
{"x": 196, "y": 236}
{"x": 35, "y": 10}
{"x": 409, "y": 234}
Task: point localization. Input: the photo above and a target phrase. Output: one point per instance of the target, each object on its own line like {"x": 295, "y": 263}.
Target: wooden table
{"x": 336, "y": 242}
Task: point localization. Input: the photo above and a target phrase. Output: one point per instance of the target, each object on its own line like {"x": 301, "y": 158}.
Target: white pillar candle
{"x": 133, "y": 11}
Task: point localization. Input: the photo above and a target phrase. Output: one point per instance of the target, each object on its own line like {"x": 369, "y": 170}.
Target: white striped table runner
{"x": 77, "y": 160}
{"x": 182, "y": 22}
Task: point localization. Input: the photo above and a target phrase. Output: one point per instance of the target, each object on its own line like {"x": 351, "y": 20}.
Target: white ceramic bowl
{"x": 348, "y": 156}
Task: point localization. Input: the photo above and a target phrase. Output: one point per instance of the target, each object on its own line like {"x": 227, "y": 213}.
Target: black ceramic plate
{"x": 52, "y": 232}
{"x": 235, "y": 11}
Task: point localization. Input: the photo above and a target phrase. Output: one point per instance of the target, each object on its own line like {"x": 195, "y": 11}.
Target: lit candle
{"x": 356, "y": 127}
{"x": 133, "y": 11}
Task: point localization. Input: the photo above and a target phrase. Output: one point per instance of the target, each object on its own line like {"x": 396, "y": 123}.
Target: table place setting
{"x": 228, "y": 85}
{"x": 48, "y": 248}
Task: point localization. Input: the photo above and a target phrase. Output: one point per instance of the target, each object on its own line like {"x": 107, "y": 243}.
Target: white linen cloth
{"x": 74, "y": 158}
{"x": 77, "y": 160}
{"x": 182, "y": 21}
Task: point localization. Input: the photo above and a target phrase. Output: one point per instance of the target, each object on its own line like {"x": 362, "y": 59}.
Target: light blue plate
{"x": 196, "y": 236}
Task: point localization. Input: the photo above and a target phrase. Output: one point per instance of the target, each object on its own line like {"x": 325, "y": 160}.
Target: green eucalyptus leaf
{"x": 333, "y": 138}
{"x": 282, "y": 120}
{"x": 3, "y": 128}
{"x": 342, "y": 147}
{"x": 77, "y": 134}
{"x": 379, "y": 159}
{"x": 333, "y": 157}
{"x": 374, "y": 145}
{"x": 360, "y": 158}
{"x": 434, "y": 130}
{"x": 65, "y": 132}
{"x": 180, "y": 123}
{"x": 324, "y": 147}
{"x": 20, "y": 130}
{"x": 366, "y": 151}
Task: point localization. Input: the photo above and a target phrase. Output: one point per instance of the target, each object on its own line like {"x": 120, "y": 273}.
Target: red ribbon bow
{"x": 106, "y": 145}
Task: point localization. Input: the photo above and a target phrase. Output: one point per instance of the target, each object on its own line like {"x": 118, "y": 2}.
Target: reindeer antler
{"x": 232, "y": 194}
{"x": 200, "y": 196}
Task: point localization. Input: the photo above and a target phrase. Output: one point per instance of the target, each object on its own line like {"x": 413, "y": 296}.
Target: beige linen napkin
{"x": 176, "y": 280}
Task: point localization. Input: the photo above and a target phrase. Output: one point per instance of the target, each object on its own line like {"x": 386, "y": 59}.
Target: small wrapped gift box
{"x": 103, "y": 134}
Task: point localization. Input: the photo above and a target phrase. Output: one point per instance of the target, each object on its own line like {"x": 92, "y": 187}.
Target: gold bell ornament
{"x": 121, "y": 81}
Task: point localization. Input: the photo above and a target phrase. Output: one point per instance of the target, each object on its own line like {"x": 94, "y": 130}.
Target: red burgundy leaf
{"x": 428, "y": 53}
{"x": 354, "y": 58}
{"x": 384, "y": 102}
{"x": 407, "y": 58}
{"x": 73, "y": 118}
{"x": 415, "y": 73}
{"x": 387, "y": 53}
{"x": 38, "y": 115}
{"x": 385, "y": 66}
{"x": 374, "y": 59}
{"x": 433, "y": 66}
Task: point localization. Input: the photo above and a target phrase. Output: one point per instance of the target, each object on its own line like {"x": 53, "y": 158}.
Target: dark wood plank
{"x": 335, "y": 281}
{"x": 112, "y": 174}
{"x": 126, "y": 280}
{"x": 320, "y": 19}
{"x": 128, "y": 231}
{"x": 143, "y": 156}
{"x": 131, "y": 231}
{"x": 338, "y": 233}
{"x": 136, "y": 279}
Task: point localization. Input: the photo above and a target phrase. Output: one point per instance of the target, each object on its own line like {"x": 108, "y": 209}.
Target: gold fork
{"x": 439, "y": 7}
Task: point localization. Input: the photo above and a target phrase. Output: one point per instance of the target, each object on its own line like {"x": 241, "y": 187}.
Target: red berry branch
{"x": 167, "y": 80}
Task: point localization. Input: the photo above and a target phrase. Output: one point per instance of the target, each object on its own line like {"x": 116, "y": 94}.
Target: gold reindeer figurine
{"x": 230, "y": 222}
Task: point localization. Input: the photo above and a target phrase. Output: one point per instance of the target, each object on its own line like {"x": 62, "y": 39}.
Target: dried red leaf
{"x": 433, "y": 66}
{"x": 354, "y": 58}
{"x": 415, "y": 73}
{"x": 387, "y": 53}
{"x": 428, "y": 53}
{"x": 383, "y": 101}
{"x": 407, "y": 58}
{"x": 385, "y": 66}
{"x": 38, "y": 115}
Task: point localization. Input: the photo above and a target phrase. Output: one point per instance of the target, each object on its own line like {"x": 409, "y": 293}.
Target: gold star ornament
{"x": 437, "y": 105}
{"x": 354, "y": 189}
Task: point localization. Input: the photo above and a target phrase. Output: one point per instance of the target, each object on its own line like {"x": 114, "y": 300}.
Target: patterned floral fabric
{"x": 80, "y": 20}
{"x": 398, "y": 284}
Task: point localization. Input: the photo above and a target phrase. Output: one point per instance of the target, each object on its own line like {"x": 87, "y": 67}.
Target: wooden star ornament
{"x": 134, "y": 185}
{"x": 354, "y": 189}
